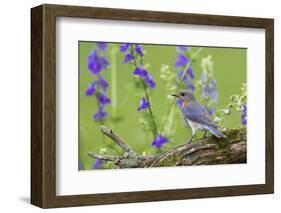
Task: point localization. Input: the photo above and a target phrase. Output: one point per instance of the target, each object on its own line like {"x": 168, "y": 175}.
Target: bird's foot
{"x": 205, "y": 135}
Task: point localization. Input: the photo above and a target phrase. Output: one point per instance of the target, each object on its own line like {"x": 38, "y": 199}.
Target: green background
{"x": 229, "y": 71}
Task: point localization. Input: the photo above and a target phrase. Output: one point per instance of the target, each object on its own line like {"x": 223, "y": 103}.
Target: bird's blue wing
{"x": 198, "y": 114}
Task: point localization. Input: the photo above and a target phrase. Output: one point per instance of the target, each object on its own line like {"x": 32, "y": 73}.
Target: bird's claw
{"x": 204, "y": 136}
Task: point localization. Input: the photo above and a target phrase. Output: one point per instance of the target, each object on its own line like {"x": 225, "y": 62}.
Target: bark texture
{"x": 205, "y": 151}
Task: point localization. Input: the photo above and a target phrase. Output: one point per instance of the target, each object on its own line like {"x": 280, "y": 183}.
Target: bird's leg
{"x": 205, "y": 133}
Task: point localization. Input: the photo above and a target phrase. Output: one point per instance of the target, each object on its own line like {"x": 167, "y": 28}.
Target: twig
{"x": 108, "y": 132}
{"x": 104, "y": 157}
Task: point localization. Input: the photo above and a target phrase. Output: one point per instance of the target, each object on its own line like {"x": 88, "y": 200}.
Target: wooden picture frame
{"x": 43, "y": 105}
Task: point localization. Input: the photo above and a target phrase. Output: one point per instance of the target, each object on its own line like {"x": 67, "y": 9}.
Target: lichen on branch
{"x": 204, "y": 151}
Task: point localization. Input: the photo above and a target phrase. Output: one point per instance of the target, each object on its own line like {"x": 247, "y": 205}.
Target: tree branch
{"x": 205, "y": 151}
{"x": 120, "y": 142}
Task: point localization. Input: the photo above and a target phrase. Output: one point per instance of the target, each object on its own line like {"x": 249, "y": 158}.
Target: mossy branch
{"x": 205, "y": 151}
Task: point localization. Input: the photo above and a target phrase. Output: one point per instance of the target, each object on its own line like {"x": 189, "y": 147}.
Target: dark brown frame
{"x": 43, "y": 105}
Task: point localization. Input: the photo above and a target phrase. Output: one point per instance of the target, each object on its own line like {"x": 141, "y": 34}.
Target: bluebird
{"x": 197, "y": 116}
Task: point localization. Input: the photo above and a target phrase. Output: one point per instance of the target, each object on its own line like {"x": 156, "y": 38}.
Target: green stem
{"x": 189, "y": 63}
{"x": 171, "y": 117}
{"x": 166, "y": 118}
{"x": 98, "y": 105}
{"x": 155, "y": 131}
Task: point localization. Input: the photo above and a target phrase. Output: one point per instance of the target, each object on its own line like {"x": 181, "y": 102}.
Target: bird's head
{"x": 185, "y": 96}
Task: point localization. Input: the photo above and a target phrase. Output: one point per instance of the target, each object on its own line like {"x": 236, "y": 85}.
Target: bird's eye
{"x": 182, "y": 94}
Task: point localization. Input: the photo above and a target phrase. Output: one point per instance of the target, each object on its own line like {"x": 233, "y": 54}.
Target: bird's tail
{"x": 216, "y": 132}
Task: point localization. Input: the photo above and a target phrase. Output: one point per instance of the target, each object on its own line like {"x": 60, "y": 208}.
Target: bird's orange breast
{"x": 184, "y": 104}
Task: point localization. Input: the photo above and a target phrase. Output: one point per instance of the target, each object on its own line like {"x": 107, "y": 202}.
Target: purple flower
{"x": 244, "y": 121}
{"x": 181, "y": 61}
{"x": 103, "y": 83}
{"x": 179, "y": 103}
{"x": 210, "y": 110}
{"x": 98, "y": 163}
{"x": 182, "y": 48}
{"x": 141, "y": 72}
{"x": 182, "y": 76}
{"x": 100, "y": 114}
{"x": 159, "y": 141}
{"x": 204, "y": 92}
{"x": 188, "y": 82}
{"x": 213, "y": 90}
{"x": 210, "y": 90}
{"x": 91, "y": 89}
{"x": 143, "y": 104}
{"x": 190, "y": 72}
{"x": 149, "y": 80}
{"x": 124, "y": 47}
{"x": 128, "y": 58}
{"x": 244, "y": 115}
{"x": 103, "y": 99}
{"x": 102, "y": 45}
{"x": 139, "y": 50}
{"x": 244, "y": 110}
{"x": 190, "y": 87}
{"x": 96, "y": 63}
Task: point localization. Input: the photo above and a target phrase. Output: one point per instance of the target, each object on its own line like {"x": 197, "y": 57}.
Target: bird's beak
{"x": 175, "y": 95}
